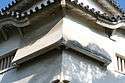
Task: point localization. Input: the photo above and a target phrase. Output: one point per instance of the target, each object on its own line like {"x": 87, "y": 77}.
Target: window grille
{"x": 120, "y": 64}
{"x": 6, "y": 62}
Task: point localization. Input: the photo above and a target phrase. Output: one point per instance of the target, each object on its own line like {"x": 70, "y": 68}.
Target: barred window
{"x": 5, "y": 61}
{"x": 120, "y": 63}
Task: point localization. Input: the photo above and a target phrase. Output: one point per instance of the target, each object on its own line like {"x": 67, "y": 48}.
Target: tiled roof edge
{"x": 13, "y": 3}
{"x": 116, "y": 5}
{"x": 111, "y": 19}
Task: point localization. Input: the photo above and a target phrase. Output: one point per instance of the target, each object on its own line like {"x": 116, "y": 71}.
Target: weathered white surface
{"x": 43, "y": 69}
{"x": 61, "y": 64}
{"x": 72, "y": 30}
{"x": 79, "y": 69}
{"x": 52, "y": 37}
{"x": 119, "y": 44}
{"x": 12, "y": 44}
{"x": 69, "y": 65}
{"x": 68, "y": 30}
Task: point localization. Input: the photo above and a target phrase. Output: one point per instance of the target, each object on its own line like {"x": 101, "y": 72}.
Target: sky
{"x": 3, "y": 3}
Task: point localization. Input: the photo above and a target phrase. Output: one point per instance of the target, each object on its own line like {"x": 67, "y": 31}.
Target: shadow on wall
{"x": 40, "y": 28}
{"x": 44, "y": 68}
{"x": 41, "y": 69}
{"x": 97, "y": 50}
{"x": 91, "y": 47}
{"x": 78, "y": 68}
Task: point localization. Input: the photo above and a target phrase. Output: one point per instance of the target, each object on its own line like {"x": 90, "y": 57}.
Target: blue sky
{"x": 4, "y": 3}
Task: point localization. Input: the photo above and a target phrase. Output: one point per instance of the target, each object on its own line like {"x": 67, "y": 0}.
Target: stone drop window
{"x": 120, "y": 64}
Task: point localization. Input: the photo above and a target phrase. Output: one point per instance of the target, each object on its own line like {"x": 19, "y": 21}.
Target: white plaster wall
{"x": 81, "y": 33}
{"x": 79, "y": 69}
{"x": 119, "y": 47}
{"x": 75, "y": 67}
{"x": 43, "y": 69}
{"x": 119, "y": 43}
{"x": 67, "y": 65}
{"x": 9, "y": 45}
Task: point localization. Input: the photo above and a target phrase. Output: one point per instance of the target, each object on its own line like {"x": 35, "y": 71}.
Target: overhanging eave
{"x": 63, "y": 33}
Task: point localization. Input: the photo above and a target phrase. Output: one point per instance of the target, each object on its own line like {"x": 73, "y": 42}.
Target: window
{"x": 5, "y": 60}
{"x": 120, "y": 63}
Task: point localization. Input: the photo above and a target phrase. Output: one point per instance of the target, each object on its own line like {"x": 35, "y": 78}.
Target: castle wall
{"x": 42, "y": 69}
{"x": 9, "y": 45}
{"x": 70, "y": 65}
{"x": 67, "y": 64}
{"x": 77, "y": 68}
